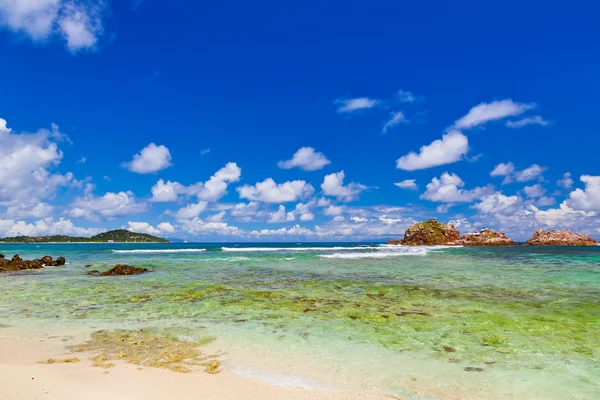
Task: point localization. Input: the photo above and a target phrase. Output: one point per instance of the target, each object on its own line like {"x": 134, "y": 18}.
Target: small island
{"x": 114, "y": 236}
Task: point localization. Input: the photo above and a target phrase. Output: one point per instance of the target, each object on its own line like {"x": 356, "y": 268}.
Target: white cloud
{"x": 198, "y": 227}
{"x": 78, "y": 22}
{"x": 587, "y": 199}
{"x": 216, "y": 186}
{"x": 218, "y": 217}
{"x": 151, "y": 159}
{"x": 338, "y": 218}
{"x": 166, "y": 227}
{"x": 26, "y": 161}
{"x": 498, "y": 203}
{"x": 81, "y": 24}
{"x": 333, "y": 211}
{"x": 281, "y": 216}
{"x": 508, "y": 171}
{"x": 484, "y": 112}
{"x": 407, "y": 184}
{"x": 111, "y": 205}
{"x": 354, "y": 104}
{"x": 144, "y": 227}
{"x": 82, "y": 160}
{"x": 245, "y": 211}
{"x": 204, "y": 152}
{"x": 191, "y": 211}
{"x": 566, "y": 182}
{"x": 270, "y": 192}
{"x": 535, "y": 120}
{"x": 211, "y": 190}
{"x": 404, "y": 96}
{"x": 448, "y": 189}
{"x": 529, "y": 174}
{"x": 359, "y": 220}
{"x": 534, "y": 191}
{"x": 295, "y": 230}
{"x": 29, "y": 210}
{"x": 307, "y": 159}
{"x": 396, "y": 118}
{"x": 563, "y": 217}
{"x": 333, "y": 185}
{"x": 452, "y": 147}
{"x": 47, "y": 226}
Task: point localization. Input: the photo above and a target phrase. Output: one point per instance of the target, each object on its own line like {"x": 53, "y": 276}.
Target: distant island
{"x": 115, "y": 236}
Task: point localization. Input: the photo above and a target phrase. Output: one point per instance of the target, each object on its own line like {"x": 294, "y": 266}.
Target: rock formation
{"x": 542, "y": 237}
{"x": 122, "y": 269}
{"x": 486, "y": 237}
{"x": 16, "y": 263}
{"x": 430, "y": 232}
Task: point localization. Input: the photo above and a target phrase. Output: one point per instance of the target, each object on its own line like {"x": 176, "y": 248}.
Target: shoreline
{"x": 24, "y": 377}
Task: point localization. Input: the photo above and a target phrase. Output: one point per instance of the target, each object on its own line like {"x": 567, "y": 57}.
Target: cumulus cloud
{"x": 46, "y": 226}
{"x": 281, "y": 216}
{"x": 29, "y": 210}
{"x": 495, "y": 110}
{"x": 26, "y": 163}
{"x": 245, "y": 211}
{"x": 448, "y": 189}
{"x": 510, "y": 173}
{"x": 396, "y": 118}
{"x": 587, "y": 199}
{"x": 191, "y": 210}
{"x": 111, "y": 205}
{"x": 78, "y": 22}
{"x": 305, "y": 158}
{"x": 196, "y": 226}
{"x": 566, "y": 182}
{"x": 535, "y": 120}
{"x": 151, "y": 159}
{"x": 144, "y": 227}
{"x": 407, "y": 184}
{"x": 534, "y": 191}
{"x": 333, "y": 211}
{"x": 498, "y": 203}
{"x": 216, "y": 186}
{"x": 452, "y": 147}
{"x": 211, "y": 190}
{"x": 346, "y": 105}
{"x": 270, "y": 192}
{"x": 333, "y": 185}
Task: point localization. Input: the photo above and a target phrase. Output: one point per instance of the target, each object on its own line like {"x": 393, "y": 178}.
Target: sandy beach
{"x": 24, "y": 377}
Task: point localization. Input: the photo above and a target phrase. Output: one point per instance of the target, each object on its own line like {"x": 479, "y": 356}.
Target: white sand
{"x": 22, "y": 377}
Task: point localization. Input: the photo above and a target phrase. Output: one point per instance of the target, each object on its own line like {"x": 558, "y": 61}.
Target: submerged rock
{"x": 16, "y": 263}
{"x": 486, "y": 237}
{"x": 430, "y": 232}
{"x": 123, "y": 269}
{"x": 555, "y": 237}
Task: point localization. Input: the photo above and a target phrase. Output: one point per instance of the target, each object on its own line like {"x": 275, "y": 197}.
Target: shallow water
{"x": 523, "y": 321}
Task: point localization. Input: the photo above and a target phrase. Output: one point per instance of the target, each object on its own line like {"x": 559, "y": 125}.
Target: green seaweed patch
{"x": 149, "y": 348}
{"x": 69, "y": 360}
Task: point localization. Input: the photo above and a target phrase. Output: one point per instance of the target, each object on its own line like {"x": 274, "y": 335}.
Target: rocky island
{"x": 555, "y": 237}
{"x": 430, "y": 232}
{"x": 486, "y": 237}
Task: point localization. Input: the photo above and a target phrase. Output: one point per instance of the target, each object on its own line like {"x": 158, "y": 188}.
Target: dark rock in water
{"x": 430, "y": 232}
{"x": 122, "y": 269}
{"x": 87, "y": 266}
{"x": 449, "y": 349}
{"x": 16, "y": 263}
{"x": 1, "y": 255}
{"x": 46, "y": 260}
{"x": 60, "y": 261}
{"x": 94, "y": 272}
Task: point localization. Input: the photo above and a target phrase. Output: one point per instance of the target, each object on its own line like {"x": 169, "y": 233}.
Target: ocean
{"x": 412, "y": 322}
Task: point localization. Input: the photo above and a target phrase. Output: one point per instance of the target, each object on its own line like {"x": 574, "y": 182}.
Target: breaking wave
{"x": 149, "y": 251}
{"x": 292, "y": 249}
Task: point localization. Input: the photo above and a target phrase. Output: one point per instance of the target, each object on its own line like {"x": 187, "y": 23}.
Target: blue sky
{"x": 235, "y": 121}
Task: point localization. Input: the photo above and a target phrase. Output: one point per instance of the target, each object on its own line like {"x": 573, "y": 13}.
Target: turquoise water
{"x": 436, "y": 323}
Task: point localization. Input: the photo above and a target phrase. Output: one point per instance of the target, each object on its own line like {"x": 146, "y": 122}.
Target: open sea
{"x": 407, "y": 322}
